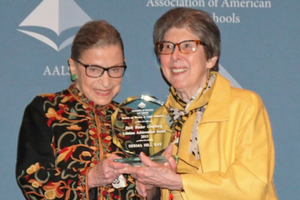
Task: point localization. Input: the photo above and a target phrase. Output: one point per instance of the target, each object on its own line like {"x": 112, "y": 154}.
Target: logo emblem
{"x": 56, "y": 15}
{"x": 142, "y": 105}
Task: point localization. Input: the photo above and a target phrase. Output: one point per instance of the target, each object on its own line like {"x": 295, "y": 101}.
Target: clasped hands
{"x": 148, "y": 177}
{"x": 153, "y": 175}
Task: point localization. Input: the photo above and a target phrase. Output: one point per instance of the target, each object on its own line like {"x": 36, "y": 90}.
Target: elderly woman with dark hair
{"x": 65, "y": 148}
{"x": 222, "y": 136}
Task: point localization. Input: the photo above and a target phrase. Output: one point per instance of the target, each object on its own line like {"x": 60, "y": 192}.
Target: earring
{"x": 73, "y": 77}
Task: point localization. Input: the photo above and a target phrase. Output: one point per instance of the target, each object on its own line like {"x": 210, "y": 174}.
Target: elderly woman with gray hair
{"x": 65, "y": 148}
{"x": 222, "y": 136}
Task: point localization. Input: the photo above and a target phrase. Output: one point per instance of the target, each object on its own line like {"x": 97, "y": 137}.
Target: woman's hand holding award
{"x": 142, "y": 124}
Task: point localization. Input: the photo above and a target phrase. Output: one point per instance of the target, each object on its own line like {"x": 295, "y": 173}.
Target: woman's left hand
{"x": 153, "y": 174}
{"x": 105, "y": 172}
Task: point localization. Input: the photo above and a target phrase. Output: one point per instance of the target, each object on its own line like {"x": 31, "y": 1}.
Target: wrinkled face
{"x": 185, "y": 72}
{"x": 103, "y": 89}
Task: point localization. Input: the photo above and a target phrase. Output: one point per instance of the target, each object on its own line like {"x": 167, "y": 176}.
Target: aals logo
{"x": 56, "y": 15}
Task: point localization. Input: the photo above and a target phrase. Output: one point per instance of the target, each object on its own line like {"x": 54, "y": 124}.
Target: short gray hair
{"x": 198, "y": 22}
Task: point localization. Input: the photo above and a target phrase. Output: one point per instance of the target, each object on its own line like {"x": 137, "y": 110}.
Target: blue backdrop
{"x": 260, "y": 52}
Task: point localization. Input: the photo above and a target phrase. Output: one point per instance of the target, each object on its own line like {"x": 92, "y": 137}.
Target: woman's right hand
{"x": 153, "y": 174}
{"x": 105, "y": 172}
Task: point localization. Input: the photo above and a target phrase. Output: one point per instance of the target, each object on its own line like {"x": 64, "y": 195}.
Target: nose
{"x": 176, "y": 53}
{"x": 104, "y": 80}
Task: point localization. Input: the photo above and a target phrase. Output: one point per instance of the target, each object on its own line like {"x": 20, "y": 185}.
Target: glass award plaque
{"x": 142, "y": 124}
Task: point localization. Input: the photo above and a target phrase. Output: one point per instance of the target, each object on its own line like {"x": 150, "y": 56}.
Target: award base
{"x": 136, "y": 161}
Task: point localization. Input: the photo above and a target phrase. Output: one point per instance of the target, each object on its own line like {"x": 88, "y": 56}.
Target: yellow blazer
{"x": 235, "y": 144}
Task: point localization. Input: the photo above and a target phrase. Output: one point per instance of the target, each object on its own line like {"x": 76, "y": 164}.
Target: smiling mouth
{"x": 179, "y": 70}
{"x": 102, "y": 92}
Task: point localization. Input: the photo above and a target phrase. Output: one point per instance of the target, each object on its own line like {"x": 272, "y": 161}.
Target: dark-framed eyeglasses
{"x": 185, "y": 47}
{"x": 95, "y": 71}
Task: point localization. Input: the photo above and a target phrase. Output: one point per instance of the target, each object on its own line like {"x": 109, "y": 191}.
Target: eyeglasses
{"x": 186, "y": 46}
{"x": 95, "y": 71}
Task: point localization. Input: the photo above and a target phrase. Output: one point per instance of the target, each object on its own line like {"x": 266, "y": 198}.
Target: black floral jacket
{"x": 63, "y": 135}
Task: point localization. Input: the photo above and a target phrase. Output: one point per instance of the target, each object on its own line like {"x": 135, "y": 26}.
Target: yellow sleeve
{"x": 249, "y": 175}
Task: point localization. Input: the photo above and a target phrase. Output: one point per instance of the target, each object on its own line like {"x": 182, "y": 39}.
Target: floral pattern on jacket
{"x": 62, "y": 136}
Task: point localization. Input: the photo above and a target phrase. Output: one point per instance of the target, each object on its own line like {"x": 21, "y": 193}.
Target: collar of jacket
{"x": 217, "y": 110}
{"x": 218, "y": 98}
